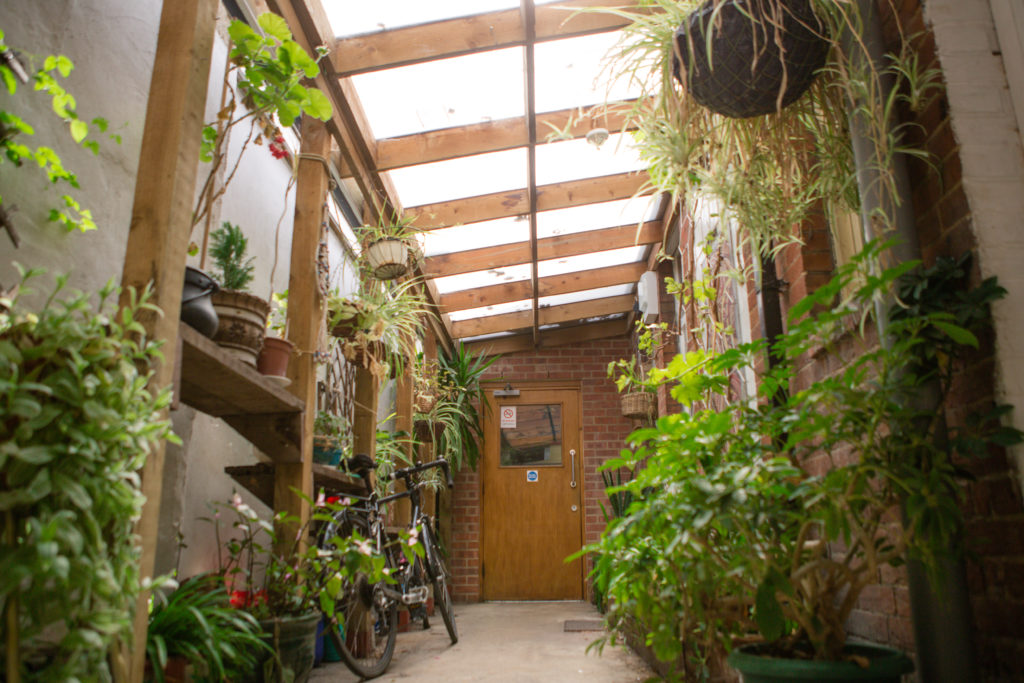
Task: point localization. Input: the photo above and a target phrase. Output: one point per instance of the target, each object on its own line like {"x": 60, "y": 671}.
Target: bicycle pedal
{"x": 416, "y": 595}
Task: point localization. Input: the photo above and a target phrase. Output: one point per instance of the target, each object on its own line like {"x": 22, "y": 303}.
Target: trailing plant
{"x": 79, "y": 422}
{"x": 14, "y": 130}
{"x": 263, "y": 88}
{"x": 460, "y": 404}
{"x": 197, "y": 622}
{"x": 227, "y": 249}
{"x": 773, "y": 516}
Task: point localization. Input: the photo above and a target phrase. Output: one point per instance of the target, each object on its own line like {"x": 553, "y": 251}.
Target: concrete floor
{"x": 518, "y": 642}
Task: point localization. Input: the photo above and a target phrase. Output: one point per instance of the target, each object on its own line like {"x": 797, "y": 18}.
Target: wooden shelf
{"x": 217, "y": 384}
{"x": 259, "y": 479}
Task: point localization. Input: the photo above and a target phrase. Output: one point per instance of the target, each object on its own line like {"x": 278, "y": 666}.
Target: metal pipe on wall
{"x": 941, "y": 614}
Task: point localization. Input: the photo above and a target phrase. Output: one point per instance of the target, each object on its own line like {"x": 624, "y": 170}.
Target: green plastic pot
{"x": 293, "y": 640}
{"x": 887, "y": 666}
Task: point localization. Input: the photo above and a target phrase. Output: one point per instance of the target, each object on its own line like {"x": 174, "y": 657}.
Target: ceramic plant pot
{"x": 196, "y": 301}
{"x": 294, "y": 641}
{"x": 886, "y": 665}
{"x": 388, "y": 258}
{"x": 243, "y": 323}
{"x": 326, "y": 450}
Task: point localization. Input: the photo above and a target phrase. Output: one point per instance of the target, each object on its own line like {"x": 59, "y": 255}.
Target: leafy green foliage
{"x": 227, "y": 249}
{"x": 13, "y": 129}
{"x": 459, "y": 404}
{"x": 773, "y": 516}
{"x": 79, "y": 423}
{"x": 197, "y": 622}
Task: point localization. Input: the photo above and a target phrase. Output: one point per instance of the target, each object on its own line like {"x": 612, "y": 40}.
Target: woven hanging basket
{"x": 638, "y": 404}
{"x": 388, "y": 258}
{"x": 748, "y": 71}
{"x": 424, "y": 403}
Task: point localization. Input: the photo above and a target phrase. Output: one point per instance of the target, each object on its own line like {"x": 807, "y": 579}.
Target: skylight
{"x": 353, "y": 18}
{"x": 464, "y": 177}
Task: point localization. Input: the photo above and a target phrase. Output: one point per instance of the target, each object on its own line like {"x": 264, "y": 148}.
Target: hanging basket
{"x": 638, "y": 404}
{"x": 388, "y": 258}
{"x": 748, "y": 71}
{"x": 425, "y": 403}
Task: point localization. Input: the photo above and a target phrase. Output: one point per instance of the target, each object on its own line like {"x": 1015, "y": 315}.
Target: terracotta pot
{"x": 274, "y": 356}
{"x": 388, "y": 258}
{"x": 243, "y": 323}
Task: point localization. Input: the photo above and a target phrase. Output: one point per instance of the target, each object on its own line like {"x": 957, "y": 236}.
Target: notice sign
{"x": 508, "y": 417}
{"x": 532, "y": 476}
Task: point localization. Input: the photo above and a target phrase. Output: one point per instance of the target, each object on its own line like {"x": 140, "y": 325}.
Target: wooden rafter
{"x": 466, "y": 35}
{"x": 578, "y": 281}
{"x": 546, "y": 316}
{"x": 516, "y": 203}
{"x": 491, "y": 136}
{"x": 549, "y": 338}
{"x": 560, "y": 246}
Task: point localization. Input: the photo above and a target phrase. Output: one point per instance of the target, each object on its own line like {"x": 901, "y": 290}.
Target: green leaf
{"x": 79, "y": 129}
{"x": 319, "y": 105}
{"x": 767, "y": 612}
{"x": 239, "y": 32}
{"x": 275, "y": 26}
{"x": 957, "y": 333}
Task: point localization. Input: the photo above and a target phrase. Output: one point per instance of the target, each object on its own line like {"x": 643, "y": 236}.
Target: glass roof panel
{"x": 568, "y": 73}
{"x": 596, "y": 216}
{"x": 597, "y": 259}
{"x": 441, "y": 181}
{"x": 571, "y": 159}
{"x": 352, "y": 18}
{"x": 483, "y": 278}
{"x": 476, "y": 235}
{"x": 443, "y": 93}
{"x": 575, "y": 323}
{"x": 585, "y": 295}
{"x": 496, "y": 309}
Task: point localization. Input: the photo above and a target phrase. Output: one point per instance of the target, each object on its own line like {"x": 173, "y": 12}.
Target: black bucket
{"x": 196, "y": 306}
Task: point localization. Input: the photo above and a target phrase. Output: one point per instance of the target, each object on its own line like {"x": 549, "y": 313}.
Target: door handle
{"x": 572, "y": 453}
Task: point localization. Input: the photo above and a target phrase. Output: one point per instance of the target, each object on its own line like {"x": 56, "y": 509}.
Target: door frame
{"x": 535, "y": 385}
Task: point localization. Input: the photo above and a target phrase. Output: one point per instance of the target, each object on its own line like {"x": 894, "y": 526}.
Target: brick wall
{"x": 604, "y": 433}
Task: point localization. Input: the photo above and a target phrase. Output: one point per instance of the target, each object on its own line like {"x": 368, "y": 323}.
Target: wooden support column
{"x": 159, "y": 232}
{"x": 364, "y": 421}
{"x": 401, "y": 511}
{"x": 305, "y": 314}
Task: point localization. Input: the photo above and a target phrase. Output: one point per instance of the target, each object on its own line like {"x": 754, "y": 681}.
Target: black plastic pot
{"x": 747, "y": 70}
{"x": 196, "y": 305}
{"x": 886, "y": 665}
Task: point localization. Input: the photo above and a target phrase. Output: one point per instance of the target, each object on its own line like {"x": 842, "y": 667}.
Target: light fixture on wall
{"x": 507, "y": 391}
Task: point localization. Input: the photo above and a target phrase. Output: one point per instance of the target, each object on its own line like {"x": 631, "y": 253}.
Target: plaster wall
{"x": 985, "y": 124}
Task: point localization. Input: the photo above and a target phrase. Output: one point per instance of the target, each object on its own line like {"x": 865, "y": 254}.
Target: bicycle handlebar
{"x": 406, "y": 472}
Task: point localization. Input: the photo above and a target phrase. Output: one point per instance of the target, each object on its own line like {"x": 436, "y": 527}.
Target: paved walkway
{"x": 518, "y": 642}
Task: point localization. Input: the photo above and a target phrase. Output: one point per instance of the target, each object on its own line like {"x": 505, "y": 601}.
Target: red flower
{"x": 277, "y": 148}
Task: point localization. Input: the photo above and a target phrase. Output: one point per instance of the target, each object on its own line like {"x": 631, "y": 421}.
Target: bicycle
{"x": 368, "y": 611}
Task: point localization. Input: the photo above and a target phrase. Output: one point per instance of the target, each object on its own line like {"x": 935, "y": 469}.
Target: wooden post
{"x": 305, "y": 316}
{"x": 401, "y": 512}
{"x": 161, "y": 218}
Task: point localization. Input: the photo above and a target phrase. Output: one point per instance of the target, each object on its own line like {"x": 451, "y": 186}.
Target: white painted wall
{"x": 112, "y": 43}
{"x": 985, "y": 124}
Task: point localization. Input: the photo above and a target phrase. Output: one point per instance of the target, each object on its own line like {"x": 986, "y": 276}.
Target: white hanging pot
{"x": 388, "y": 258}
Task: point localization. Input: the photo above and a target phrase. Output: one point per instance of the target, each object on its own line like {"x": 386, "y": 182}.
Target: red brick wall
{"x": 604, "y": 433}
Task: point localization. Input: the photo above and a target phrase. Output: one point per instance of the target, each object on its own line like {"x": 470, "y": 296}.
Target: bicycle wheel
{"x": 368, "y": 618}
{"x": 439, "y": 576}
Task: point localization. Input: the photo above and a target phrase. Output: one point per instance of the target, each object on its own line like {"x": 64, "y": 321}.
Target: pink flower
{"x": 321, "y": 499}
{"x": 236, "y": 501}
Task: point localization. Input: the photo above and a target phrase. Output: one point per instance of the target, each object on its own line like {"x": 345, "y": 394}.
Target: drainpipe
{"x": 941, "y": 613}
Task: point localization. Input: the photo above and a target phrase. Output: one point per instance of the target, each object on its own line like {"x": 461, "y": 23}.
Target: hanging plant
{"x": 389, "y": 248}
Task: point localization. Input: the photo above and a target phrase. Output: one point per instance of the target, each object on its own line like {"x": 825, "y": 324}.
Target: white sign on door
{"x": 508, "y": 417}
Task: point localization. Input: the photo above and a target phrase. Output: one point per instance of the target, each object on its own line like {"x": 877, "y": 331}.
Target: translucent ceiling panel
{"x": 598, "y": 259}
{"x": 585, "y": 295}
{"x": 596, "y": 216}
{"x": 483, "y": 278}
{"x": 475, "y": 236}
{"x": 585, "y": 321}
{"x": 441, "y": 181}
{"x": 443, "y": 93}
{"x": 496, "y": 309}
{"x": 571, "y": 159}
{"x": 350, "y": 18}
{"x": 571, "y": 72}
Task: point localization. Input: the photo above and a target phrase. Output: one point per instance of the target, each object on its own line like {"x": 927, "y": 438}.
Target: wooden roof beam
{"x": 515, "y": 202}
{"x": 491, "y": 136}
{"x": 549, "y": 338}
{"x": 466, "y": 35}
{"x": 627, "y": 273}
{"x": 549, "y": 315}
{"x": 560, "y": 246}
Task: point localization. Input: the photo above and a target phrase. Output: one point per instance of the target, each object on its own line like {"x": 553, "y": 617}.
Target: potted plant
{"x": 195, "y": 624}
{"x": 332, "y": 438}
{"x": 242, "y": 315}
{"x": 287, "y": 585}
{"x": 779, "y": 513}
{"x": 388, "y": 247}
{"x": 638, "y": 401}
{"x": 276, "y": 350}
{"x": 78, "y": 425}
{"x": 457, "y": 410}
{"x": 378, "y": 325}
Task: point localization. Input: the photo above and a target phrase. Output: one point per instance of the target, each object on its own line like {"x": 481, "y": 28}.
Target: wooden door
{"x": 532, "y": 496}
